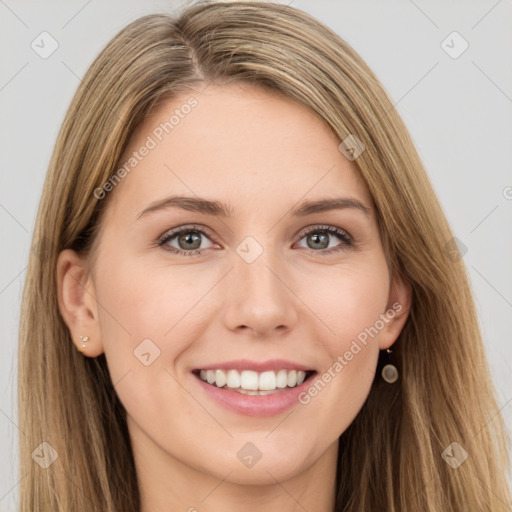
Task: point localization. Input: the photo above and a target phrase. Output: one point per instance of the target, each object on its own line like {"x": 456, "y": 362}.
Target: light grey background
{"x": 458, "y": 111}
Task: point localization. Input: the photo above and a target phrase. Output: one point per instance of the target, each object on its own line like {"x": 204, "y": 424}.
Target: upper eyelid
{"x": 320, "y": 227}
{"x": 175, "y": 231}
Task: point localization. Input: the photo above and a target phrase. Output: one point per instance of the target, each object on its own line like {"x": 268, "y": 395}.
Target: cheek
{"x": 144, "y": 311}
{"x": 148, "y": 300}
{"x": 147, "y": 321}
{"x": 348, "y": 302}
{"x": 351, "y": 308}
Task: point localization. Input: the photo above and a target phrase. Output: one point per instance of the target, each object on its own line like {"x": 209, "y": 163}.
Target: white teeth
{"x": 281, "y": 379}
{"x": 233, "y": 379}
{"x": 250, "y": 382}
{"x": 267, "y": 381}
{"x": 220, "y": 378}
{"x": 250, "y": 392}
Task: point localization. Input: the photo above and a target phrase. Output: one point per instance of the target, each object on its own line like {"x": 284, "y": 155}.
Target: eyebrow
{"x": 216, "y": 208}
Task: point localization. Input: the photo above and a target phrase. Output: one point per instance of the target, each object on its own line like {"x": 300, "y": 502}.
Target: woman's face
{"x": 265, "y": 282}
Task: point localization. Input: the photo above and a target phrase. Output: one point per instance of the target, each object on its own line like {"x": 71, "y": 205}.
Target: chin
{"x": 259, "y": 468}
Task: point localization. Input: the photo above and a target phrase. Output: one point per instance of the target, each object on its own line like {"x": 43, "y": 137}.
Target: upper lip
{"x": 257, "y": 366}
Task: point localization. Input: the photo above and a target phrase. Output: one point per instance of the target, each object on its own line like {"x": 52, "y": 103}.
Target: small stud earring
{"x": 84, "y": 339}
{"x": 389, "y": 372}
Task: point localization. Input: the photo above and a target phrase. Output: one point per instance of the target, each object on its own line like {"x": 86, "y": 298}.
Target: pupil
{"x": 191, "y": 237}
{"x": 324, "y": 243}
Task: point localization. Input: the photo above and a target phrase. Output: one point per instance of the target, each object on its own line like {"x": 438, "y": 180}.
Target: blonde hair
{"x": 390, "y": 456}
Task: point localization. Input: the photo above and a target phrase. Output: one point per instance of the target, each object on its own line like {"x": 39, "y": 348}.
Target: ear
{"x": 397, "y": 311}
{"x": 77, "y": 302}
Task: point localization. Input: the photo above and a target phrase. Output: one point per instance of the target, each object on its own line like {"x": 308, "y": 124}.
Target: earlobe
{"x": 77, "y": 303}
{"x": 397, "y": 311}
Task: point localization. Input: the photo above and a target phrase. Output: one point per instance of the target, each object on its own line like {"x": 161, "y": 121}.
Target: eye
{"x": 188, "y": 239}
{"x": 319, "y": 237}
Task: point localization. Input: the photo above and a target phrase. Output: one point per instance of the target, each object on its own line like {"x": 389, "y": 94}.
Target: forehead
{"x": 237, "y": 143}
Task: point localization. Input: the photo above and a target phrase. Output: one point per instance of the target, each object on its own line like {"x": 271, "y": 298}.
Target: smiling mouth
{"x": 249, "y": 382}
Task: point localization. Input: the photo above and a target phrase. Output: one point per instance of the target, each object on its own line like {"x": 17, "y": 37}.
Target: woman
{"x": 240, "y": 292}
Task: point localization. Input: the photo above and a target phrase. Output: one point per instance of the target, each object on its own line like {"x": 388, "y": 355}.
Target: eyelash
{"x": 348, "y": 242}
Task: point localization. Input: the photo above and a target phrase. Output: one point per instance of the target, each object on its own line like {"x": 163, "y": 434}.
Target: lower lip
{"x": 254, "y": 405}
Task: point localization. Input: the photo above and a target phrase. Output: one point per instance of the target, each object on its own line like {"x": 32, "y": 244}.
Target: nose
{"x": 260, "y": 298}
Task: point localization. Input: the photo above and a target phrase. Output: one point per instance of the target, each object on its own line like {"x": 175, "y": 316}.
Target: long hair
{"x": 392, "y": 456}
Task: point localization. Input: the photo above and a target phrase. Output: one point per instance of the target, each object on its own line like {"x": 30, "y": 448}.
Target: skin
{"x": 262, "y": 155}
